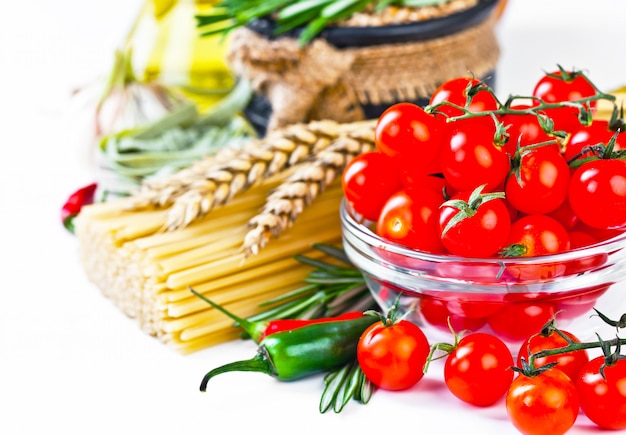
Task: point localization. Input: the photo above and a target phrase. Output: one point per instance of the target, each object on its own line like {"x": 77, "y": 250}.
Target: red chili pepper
{"x": 75, "y": 202}
{"x": 281, "y": 325}
{"x": 259, "y": 330}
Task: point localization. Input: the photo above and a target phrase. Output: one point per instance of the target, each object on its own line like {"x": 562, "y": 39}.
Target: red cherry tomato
{"x": 470, "y": 157}
{"x": 565, "y": 215}
{"x": 393, "y": 357}
{"x": 433, "y": 182}
{"x": 598, "y": 132}
{"x": 481, "y": 232}
{"x": 524, "y": 129}
{"x": 407, "y": 133}
{"x": 538, "y": 235}
{"x": 411, "y": 217}
{"x": 518, "y": 320}
{"x": 545, "y": 404}
{"x": 474, "y": 271}
{"x": 598, "y": 233}
{"x": 579, "y": 303}
{"x": 540, "y": 181}
{"x": 478, "y": 370}
{"x": 560, "y": 86}
{"x": 603, "y": 398}
{"x": 597, "y": 193}
{"x": 466, "y": 92}
{"x": 368, "y": 180}
{"x": 532, "y": 236}
{"x": 436, "y": 313}
{"x": 569, "y": 363}
{"x": 580, "y": 239}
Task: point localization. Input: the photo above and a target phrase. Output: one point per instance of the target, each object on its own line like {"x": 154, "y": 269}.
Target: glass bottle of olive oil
{"x": 167, "y": 46}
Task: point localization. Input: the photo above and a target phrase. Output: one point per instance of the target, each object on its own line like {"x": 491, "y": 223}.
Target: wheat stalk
{"x": 285, "y": 203}
{"x": 254, "y": 163}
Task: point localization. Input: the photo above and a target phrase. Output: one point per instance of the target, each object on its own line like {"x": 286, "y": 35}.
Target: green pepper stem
{"x": 260, "y": 363}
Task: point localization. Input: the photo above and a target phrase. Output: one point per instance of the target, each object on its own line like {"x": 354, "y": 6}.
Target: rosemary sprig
{"x": 328, "y": 290}
{"x": 313, "y": 15}
{"x": 343, "y": 384}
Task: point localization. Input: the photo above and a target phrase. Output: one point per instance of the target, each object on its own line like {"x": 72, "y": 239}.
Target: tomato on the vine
{"x": 466, "y": 92}
{"x": 471, "y": 156}
{"x": 478, "y": 369}
{"x": 597, "y": 193}
{"x": 393, "y": 356}
{"x": 368, "y": 180}
{"x": 569, "y": 363}
{"x": 474, "y": 224}
{"x": 564, "y": 86}
{"x": 603, "y": 398}
{"x": 410, "y": 135}
{"x": 539, "y": 181}
{"x": 524, "y": 129}
{"x": 411, "y": 217}
{"x": 599, "y": 131}
{"x": 543, "y": 404}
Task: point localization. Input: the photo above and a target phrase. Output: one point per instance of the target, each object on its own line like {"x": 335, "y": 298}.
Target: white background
{"x": 71, "y": 363}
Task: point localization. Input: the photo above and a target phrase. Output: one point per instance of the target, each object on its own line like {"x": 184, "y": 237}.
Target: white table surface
{"x": 71, "y": 363}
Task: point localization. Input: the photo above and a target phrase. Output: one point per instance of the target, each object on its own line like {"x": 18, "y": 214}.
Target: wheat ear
{"x": 285, "y": 203}
{"x": 257, "y": 161}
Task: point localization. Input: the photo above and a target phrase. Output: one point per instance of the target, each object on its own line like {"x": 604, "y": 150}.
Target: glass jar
{"x": 167, "y": 46}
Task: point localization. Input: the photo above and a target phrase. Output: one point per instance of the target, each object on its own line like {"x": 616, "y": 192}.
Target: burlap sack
{"x": 320, "y": 81}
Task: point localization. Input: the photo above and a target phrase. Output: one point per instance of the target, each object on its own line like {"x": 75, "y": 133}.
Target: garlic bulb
{"x": 128, "y": 103}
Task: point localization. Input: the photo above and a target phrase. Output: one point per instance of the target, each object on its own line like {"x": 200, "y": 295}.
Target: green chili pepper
{"x": 294, "y": 354}
{"x": 259, "y": 330}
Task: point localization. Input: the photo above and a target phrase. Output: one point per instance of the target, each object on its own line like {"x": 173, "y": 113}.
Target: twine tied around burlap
{"x": 320, "y": 81}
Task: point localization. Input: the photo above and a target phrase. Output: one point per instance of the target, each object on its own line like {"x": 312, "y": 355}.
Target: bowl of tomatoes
{"x": 477, "y": 215}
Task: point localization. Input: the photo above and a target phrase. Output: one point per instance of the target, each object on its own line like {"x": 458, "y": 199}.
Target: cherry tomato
{"x": 368, "y": 180}
{"x": 393, "y": 356}
{"x": 474, "y": 271}
{"x": 569, "y": 363}
{"x": 580, "y": 302}
{"x": 411, "y": 217}
{"x": 524, "y": 129}
{"x": 458, "y": 91}
{"x": 518, "y": 320}
{"x": 598, "y": 233}
{"x": 584, "y": 263}
{"x": 561, "y": 86}
{"x": 478, "y": 370}
{"x": 565, "y": 215}
{"x": 540, "y": 181}
{"x": 598, "y": 132}
{"x": 470, "y": 157}
{"x": 433, "y": 182}
{"x": 435, "y": 312}
{"x": 545, "y": 404}
{"x": 603, "y": 399}
{"x": 532, "y": 236}
{"x": 597, "y": 193}
{"x": 409, "y": 134}
{"x": 538, "y": 235}
{"x": 482, "y": 230}
{"x": 580, "y": 239}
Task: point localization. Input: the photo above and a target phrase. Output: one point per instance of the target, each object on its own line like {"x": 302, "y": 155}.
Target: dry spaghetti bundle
{"x": 209, "y": 226}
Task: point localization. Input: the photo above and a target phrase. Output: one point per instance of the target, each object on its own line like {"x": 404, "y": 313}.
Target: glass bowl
{"x": 508, "y": 297}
